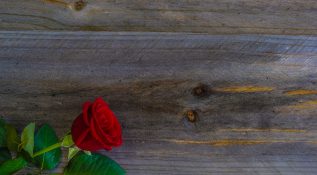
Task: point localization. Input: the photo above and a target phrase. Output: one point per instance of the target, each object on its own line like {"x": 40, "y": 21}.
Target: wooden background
{"x": 246, "y": 69}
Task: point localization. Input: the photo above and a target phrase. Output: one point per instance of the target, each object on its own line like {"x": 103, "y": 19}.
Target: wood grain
{"x": 294, "y": 17}
{"x": 253, "y": 96}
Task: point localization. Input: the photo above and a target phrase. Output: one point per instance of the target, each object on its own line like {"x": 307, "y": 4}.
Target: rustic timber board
{"x": 254, "y": 96}
{"x": 294, "y": 17}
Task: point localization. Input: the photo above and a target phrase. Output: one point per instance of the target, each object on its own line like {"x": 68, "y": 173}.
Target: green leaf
{"x": 44, "y": 138}
{"x": 96, "y": 164}
{"x": 68, "y": 141}
{"x": 4, "y": 155}
{"x": 12, "y": 138}
{"x": 12, "y": 166}
{"x": 27, "y": 138}
{"x": 72, "y": 152}
{"x": 25, "y": 155}
{"x": 2, "y": 133}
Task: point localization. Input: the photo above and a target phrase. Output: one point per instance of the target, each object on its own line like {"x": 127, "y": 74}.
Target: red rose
{"x": 96, "y": 127}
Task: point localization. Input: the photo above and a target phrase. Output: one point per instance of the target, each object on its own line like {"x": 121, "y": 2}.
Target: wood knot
{"x": 192, "y": 116}
{"x": 201, "y": 90}
{"x": 79, "y": 5}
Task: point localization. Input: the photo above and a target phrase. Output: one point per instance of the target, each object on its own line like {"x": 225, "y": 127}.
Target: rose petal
{"x": 97, "y": 127}
{"x": 111, "y": 130}
{"x": 105, "y": 140}
{"x": 106, "y": 119}
{"x": 101, "y": 101}
{"x": 82, "y": 137}
{"x": 86, "y": 112}
{"x": 111, "y": 137}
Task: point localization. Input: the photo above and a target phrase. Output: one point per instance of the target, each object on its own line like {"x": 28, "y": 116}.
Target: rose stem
{"x": 47, "y": 149}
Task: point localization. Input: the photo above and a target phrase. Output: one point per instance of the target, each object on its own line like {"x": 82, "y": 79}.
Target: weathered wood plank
{"x": 255, "y": 96}
{"x": 296, "y": 17}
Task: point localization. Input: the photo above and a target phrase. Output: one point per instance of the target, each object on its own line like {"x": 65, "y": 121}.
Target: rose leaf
{"x": 12, "y": 138}
{"x": 12, "y": 166}
{"x": 4, "y": 155}
{"x": 94, "y": 164}
{"x": 27, "y": 138}
{"x": 44, "y": 138}
{"x": 2, "y": 133}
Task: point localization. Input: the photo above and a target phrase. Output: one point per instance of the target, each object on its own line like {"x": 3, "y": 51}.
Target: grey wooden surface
{"x": 255, "y": 96}
{"x": 202, "y": 16}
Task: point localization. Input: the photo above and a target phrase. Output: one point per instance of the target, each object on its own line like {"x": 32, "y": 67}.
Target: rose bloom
{"x": 96, "y": 127}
